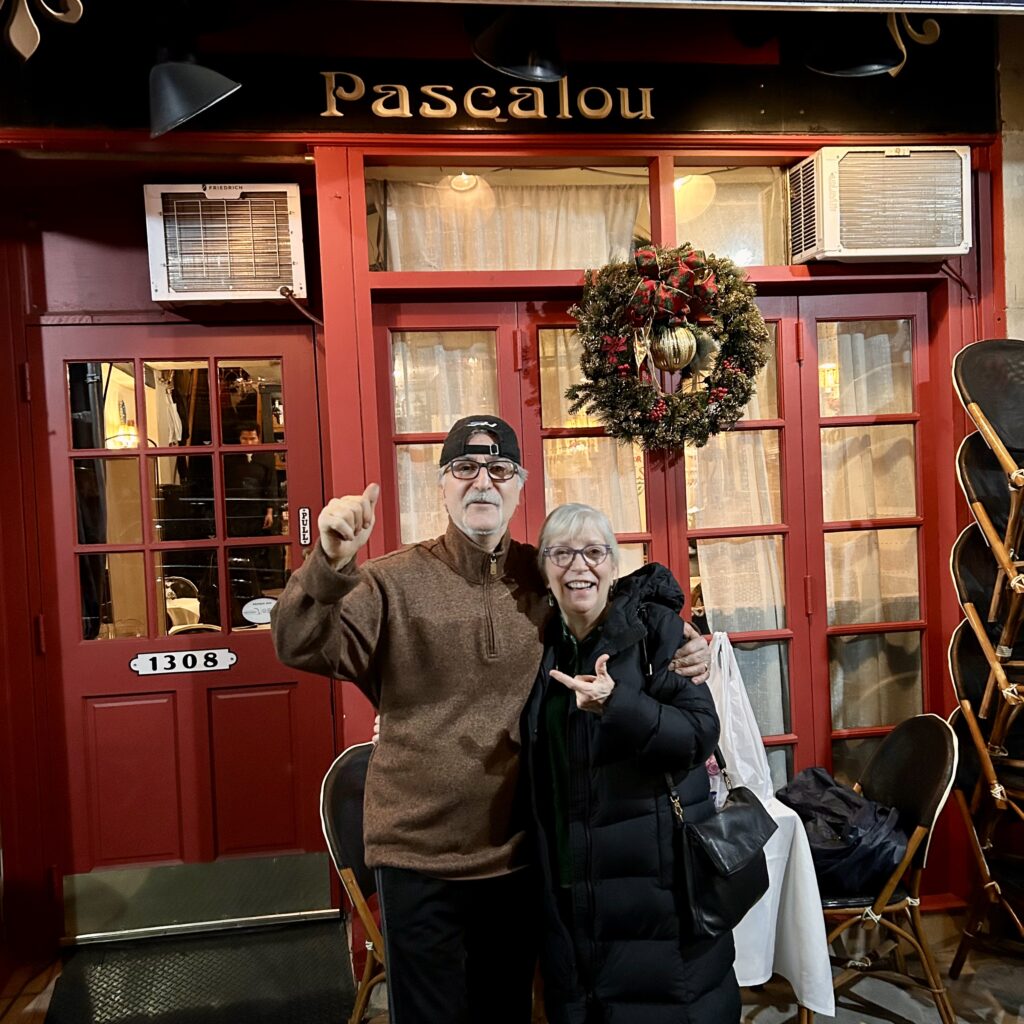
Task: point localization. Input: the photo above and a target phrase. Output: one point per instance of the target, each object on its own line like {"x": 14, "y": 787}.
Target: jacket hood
{"x": 650, "y": 584}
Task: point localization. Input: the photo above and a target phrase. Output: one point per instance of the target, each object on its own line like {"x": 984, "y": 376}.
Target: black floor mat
{"x": 297, "y": 974}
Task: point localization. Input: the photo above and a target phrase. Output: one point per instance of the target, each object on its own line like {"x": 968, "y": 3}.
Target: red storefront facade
{"x": 125, "y": 763}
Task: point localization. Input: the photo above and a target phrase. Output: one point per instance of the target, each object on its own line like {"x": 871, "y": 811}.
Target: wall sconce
{"x": 521, "y": 44}
{"x": 178, "y": 90}
{"x": 828, "y": 387}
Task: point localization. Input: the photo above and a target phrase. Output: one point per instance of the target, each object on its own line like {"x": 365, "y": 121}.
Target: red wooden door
{"x": 184, "y": 467}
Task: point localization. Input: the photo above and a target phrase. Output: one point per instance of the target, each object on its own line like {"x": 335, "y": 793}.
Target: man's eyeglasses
{"x": 499, "y": 471}
{"x": 563, "y": 557}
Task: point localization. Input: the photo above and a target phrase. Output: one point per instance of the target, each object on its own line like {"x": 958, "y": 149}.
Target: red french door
{"x": 185, "y": 474}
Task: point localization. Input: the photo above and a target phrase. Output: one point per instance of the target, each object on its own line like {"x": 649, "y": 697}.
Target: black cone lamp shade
{"x": 849, "y": 45}
{"x": 521, "y": 45}
{"x": 179, "y": 90}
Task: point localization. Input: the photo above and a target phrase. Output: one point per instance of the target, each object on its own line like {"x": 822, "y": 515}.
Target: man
{"x": 250, "y": 487}
{"x": 445, "y": 637}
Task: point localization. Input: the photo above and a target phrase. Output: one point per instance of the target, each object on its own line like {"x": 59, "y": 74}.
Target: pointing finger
{"x": 372, "y": 493}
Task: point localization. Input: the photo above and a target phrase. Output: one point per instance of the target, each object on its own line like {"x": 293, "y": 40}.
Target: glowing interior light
{"x": 463, "y": 182}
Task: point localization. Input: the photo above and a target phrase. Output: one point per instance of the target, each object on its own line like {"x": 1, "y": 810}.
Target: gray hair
{"x": 569, "y": 521}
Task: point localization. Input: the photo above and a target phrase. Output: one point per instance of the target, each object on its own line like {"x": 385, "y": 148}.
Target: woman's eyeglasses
{"x": 563, "y": 557}
{"x": 469, "y": 469}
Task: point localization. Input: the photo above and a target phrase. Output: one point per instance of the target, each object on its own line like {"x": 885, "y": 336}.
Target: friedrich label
{"x": 482, "y": 102}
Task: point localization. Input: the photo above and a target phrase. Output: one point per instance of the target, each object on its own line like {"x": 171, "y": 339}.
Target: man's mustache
{"x": 487, "y": 497}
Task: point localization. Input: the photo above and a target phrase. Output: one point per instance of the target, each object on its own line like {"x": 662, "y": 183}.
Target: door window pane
{"x": 765, "y": 671}
{"x": 865, "y": 367}
{"x": 875, "y": 678}
{"x": 181, "y": 492}
{"x": 101, "y": 398}
{"x": 871, "y": 576}
{"x": 257, "y": 576}
{"x": 780, "y": 764}
{"x": 251, "y": 401}
{"x": 631, "y": 558}
{"x": 187, "y": 589}
{"x": 440, "y": 376}
{"x": 850, "y": 757}
{"x": 764, "y": 402}
{"x": 108, "y": 502}
{"x": 113, "y": 595}
{"x": 560, "y": 352}
{"x": 254, "y": 493}
{"x": 597, "y": 471}
{"x": 177, "y": 402}
{"x": 737, "y": 212}
{"x": 742, "y": 583}
{"x": 868, "y": 472}
{"x": 734, "y": 480}
{"x": 421, "y": 509}
{"x": 512, "y": 218}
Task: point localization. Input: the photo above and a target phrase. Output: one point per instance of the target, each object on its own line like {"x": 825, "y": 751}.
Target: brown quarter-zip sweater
{"x": 446, "y": 638}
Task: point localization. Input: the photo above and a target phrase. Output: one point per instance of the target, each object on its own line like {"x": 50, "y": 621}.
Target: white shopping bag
{"x": 740, "y": 739}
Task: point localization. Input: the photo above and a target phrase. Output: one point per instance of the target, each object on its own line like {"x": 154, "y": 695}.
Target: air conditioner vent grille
{"x": 226, "y": 245}
{"x": 901, "y": 202}
{"x": 802, "y": 207}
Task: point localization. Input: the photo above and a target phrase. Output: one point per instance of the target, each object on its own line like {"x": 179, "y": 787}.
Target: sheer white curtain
{"x": 510, "y": 227}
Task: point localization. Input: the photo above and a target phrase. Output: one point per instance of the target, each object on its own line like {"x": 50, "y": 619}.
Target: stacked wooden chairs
{"x": 986, "y": 651}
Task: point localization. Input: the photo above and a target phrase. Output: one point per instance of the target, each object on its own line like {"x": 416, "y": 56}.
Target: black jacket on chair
{"x": 614, "y": 954}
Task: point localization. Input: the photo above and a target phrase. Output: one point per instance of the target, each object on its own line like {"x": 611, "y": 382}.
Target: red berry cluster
{"x": 717, "y": 394}
{"x": 623, "y": 369}
{"x": 658, "y": 410}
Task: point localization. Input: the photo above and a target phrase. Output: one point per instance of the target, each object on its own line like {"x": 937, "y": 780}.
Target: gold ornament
{"x": 674, "y": 349}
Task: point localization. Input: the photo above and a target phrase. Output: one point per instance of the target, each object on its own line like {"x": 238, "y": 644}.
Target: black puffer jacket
{"x": 611, "y": 949}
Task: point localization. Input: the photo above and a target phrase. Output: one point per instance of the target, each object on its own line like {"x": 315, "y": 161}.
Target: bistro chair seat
{"x": 912, "y": 771}
{"x": 341, "y": 816}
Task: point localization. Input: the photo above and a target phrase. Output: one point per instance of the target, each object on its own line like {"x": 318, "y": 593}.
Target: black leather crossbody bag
{"x": 720, "y": 867}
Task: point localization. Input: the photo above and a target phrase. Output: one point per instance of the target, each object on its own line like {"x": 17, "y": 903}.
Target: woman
{"x": 600, "y": 732}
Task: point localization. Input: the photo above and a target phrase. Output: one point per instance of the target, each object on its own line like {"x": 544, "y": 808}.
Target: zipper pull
{"x": 494, "y": 565}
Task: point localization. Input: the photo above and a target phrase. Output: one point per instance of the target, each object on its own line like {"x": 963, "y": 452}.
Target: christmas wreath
{"x": 675, "y": 311}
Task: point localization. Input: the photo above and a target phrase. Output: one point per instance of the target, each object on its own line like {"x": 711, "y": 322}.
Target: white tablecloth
{"x": 784, "y": 932}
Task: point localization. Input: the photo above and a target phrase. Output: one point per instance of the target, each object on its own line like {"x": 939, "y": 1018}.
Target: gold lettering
{"x": 473, "y": 110}
{"x": 336, "y": 92}
{"x": 525, "y": 92}
{"x": 594, "y": 113}
{"x": 447, "y": 108}
{"x": 564, "y": 114}
{"x": 386, "y": 92}
{"x": 644, "y": 113}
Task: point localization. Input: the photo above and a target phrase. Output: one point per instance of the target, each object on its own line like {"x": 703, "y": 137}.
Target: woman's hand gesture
{"x": 591, "y": 691}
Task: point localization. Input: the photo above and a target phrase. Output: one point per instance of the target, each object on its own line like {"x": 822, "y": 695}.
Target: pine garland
{"x": 624, "y": 393}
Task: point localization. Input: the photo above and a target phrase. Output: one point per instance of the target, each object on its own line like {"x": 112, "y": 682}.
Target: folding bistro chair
{"x": 977, "y": 580}
{"x": 341, "y": 815}
{"x": 912, "y": 770}
{"x": 989, "y": 379}
{"x": 985, "y": 486}
{"x": 989, "y": 792}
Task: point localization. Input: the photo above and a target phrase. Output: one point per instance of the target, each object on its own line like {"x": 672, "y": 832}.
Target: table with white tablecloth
{"x": 784, "y": 932}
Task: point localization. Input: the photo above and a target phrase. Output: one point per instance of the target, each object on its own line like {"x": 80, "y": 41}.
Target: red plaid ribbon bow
{"x": 672, "y": 292}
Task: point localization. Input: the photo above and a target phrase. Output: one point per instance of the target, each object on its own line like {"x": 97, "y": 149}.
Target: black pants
{"x": 459, "y": 952}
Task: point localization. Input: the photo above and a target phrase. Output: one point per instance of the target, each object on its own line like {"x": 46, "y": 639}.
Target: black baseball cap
{"x": 505, "y": 444}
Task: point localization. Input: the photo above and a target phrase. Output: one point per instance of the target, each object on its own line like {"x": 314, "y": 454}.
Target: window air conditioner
{"x": 880, "y": 203}
{"x": 224, "y": 242}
